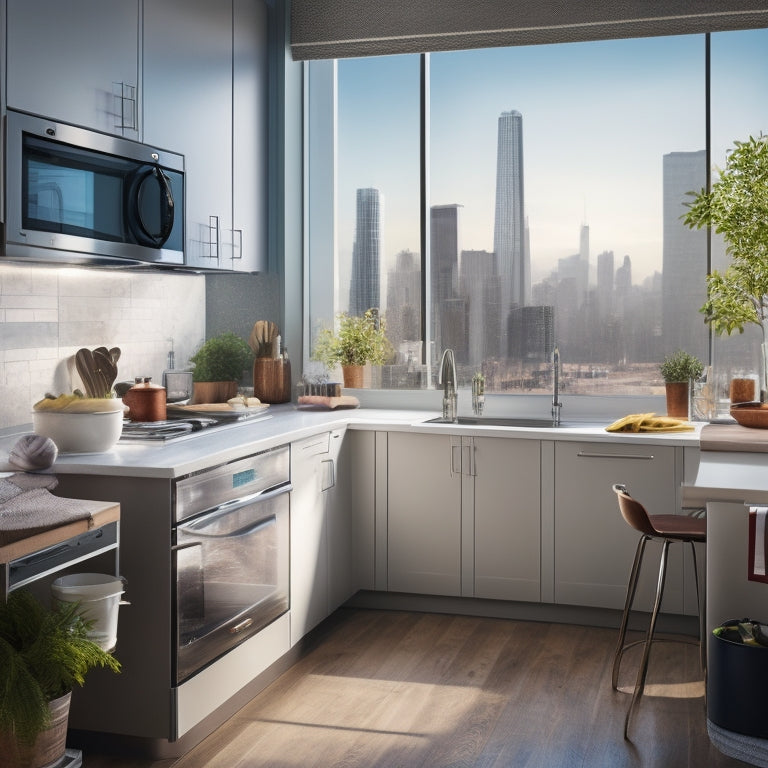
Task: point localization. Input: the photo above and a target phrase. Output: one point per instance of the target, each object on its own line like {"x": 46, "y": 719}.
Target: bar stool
{"x": 667, "y": 529}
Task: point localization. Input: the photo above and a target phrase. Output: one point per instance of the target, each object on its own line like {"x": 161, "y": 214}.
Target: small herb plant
{"x": 221, "y": 358}
{"x": 44, "y": 654}
{"x": 680, "y": 366}
{"x": 359, "y": 340}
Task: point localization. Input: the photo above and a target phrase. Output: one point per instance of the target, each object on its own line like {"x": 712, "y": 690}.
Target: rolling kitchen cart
{"x": 52, "y": 550}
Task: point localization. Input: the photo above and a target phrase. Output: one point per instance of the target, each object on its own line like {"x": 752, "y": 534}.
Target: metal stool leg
{"x": 631, "y": 589}
{"x": 641, "y": 672}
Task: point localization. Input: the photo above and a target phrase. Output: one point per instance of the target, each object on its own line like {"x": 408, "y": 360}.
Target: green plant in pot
{"x": 44, "y": 654}
{"x": 358, "y": 341}
{"x": 678, "y": 370}
{"x": 736, "y": 207}
{"x": 219, "y": 366}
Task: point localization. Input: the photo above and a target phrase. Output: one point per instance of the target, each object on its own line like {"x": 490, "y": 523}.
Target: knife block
{"x": 272, "y": 380}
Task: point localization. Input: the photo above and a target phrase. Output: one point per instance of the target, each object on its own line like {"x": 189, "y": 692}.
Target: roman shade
{"x": 327, "y": 29}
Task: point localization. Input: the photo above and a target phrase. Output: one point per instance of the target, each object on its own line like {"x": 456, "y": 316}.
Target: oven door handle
{"x": 246, "y": 530}
{"x": 188, "y": 545}
{"x": 216, "y": 513}
{"x": 252, "y": 498}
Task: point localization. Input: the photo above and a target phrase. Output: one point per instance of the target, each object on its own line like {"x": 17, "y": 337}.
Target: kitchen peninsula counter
{"x": 732, "y": 476}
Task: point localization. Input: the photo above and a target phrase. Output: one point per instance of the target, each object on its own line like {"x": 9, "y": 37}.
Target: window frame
{"x": 321, "y": 256}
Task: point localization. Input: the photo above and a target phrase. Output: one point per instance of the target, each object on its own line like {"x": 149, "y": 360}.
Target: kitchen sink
{"x": 495, "y": 421}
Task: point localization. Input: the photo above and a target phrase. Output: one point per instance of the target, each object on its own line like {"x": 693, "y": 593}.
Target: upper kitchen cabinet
{"x": 249, "y": 136}
{"x": 76, "y": 62}
{"x": 205, "y": 96}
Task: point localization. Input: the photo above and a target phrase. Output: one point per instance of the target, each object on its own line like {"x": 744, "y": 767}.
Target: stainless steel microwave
{"x": 78, "y": 196}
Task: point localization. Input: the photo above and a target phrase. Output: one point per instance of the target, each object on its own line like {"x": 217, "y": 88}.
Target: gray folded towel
{"x": 28, "y": 507}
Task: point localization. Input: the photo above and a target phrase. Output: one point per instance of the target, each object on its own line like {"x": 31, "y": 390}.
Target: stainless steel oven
{"x": 79, "y": 196}
{"x": 230, "y": 556}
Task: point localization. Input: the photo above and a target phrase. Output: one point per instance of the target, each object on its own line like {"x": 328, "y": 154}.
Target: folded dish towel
{"x": 27, "y": 507}
{"x": 649, "y": 422}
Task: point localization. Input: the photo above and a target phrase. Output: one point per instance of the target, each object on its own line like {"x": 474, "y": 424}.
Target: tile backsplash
{"x": 47, "y": 314}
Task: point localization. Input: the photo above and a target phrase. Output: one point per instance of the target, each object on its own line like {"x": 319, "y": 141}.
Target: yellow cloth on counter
{"x": 649, "y": 422}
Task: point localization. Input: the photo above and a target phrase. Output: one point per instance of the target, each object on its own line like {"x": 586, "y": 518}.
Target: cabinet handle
{"x": 239, "y": 248}
{"x": 455, "y": 467}
{"x": 470, "y": 465}
{"x": 213, "y": 237}
{"x": 126, "y": 94}
{"x": 585, "y": 455}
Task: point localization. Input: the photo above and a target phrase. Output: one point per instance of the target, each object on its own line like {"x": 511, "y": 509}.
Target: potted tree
{"x": 219, "y": 366}
{"x": 736, "y": 207}
{"x": 43, "y": 654}
{"x": 678, "y": 370}
{"x": 359, "y": 340}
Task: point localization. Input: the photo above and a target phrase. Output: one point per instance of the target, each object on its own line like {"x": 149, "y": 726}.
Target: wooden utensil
{"x": 106, "y": 370}
{"x": 256, "y": 339}
{"x": 270, "y": 337}
{"x": 86, "y": 369}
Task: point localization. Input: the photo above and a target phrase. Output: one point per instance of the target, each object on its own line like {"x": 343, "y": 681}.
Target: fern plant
{"x": 43, "y": 655}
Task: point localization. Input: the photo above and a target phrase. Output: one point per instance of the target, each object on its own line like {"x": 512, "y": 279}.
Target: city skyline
{"x": 621, "y": 104}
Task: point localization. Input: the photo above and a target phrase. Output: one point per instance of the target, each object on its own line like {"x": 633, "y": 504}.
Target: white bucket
{"x": 99, "y": 598}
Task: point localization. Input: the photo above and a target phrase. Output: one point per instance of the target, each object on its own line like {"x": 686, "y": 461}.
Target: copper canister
{"x": 145, "y": 400}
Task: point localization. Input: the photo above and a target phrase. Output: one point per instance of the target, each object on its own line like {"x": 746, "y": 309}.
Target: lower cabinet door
{"x": 424, "y": 514}
{"x": 507, "y": 518}
{"x": 594, "y": 547}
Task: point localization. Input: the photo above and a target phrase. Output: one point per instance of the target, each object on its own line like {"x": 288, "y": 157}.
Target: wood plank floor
{"x": 389, "y": 689}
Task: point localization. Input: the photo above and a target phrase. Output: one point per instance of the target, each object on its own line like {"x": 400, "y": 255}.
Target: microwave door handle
{"x": 167, "y": 206}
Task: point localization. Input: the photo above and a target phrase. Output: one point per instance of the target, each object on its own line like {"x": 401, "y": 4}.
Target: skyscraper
{"x": 364, "y": 289}
{"x": 685, "y": 255}
{"x": 444, "y": 268}
{"x": 513, "y": 261}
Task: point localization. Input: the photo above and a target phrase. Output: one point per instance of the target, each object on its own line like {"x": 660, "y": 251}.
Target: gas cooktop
{"x": 181, "y": 427}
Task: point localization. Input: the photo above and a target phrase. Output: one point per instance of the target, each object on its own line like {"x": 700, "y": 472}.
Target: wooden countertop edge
{"x": 102, "y": 512}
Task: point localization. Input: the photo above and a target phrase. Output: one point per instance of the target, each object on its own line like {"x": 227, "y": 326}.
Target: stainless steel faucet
{"x": 447, "y": 377}
{"x": 556, "y": 404}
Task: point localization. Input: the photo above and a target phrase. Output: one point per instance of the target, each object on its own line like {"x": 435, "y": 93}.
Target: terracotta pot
{"x": 353, "y": 376}
{"x": 213, "y": 391}
{"x": 145, "y": 400}
{"x": 677, "y": 399}
{"x": 50, "y": 745}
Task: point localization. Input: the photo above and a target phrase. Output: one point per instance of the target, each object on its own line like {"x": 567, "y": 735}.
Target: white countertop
{"x": 287, "y": 423}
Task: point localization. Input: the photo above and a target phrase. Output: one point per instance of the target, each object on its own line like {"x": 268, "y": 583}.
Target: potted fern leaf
{"x": 44, "y": 654}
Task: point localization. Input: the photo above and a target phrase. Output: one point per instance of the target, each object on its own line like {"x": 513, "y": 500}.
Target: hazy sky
{"x": 597, "y": 120}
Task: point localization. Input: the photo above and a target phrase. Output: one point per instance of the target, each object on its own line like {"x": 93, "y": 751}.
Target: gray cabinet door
{"x": 187, "y": 89}
{"x": 424, "y": 514}
{"x": 507, "y": 519}
{"x": 594, "y": 547}
{"x": 249, "y": 136}
{"x": 76, "y": 62}
{"x": 309, "y": 536}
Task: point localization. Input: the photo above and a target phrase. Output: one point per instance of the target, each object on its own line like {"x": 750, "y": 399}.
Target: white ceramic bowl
{"x": 79, "y": 432}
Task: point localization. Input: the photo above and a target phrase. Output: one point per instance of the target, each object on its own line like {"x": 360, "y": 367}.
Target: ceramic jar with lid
{"x": 145, "y": 400}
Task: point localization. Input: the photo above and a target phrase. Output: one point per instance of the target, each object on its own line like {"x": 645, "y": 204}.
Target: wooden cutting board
{"x": 733, "y": 437}
{"x": 328, "y": 403}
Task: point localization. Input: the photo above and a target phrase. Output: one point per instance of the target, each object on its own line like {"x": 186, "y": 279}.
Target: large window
{"x": 548, "y": 212}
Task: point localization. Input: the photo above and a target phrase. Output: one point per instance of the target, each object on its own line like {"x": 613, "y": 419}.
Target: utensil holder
{"x": 272, "y": 380}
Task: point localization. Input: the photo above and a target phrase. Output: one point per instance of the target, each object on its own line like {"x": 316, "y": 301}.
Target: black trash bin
{"x": 737, "y": 684}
